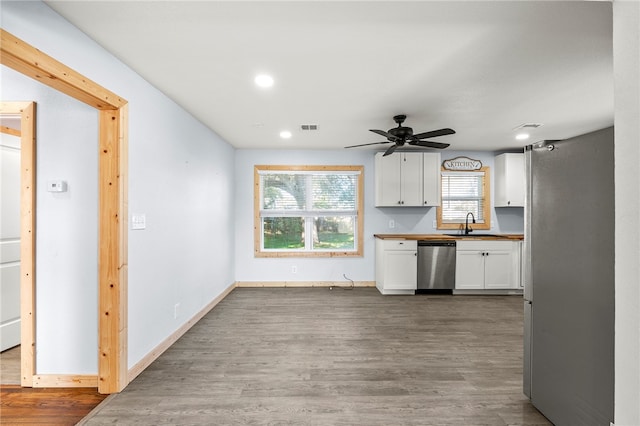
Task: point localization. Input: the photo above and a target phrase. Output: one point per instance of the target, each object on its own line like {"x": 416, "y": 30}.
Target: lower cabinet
{"x": 487, "y": 265}
{"x": 396, "y": 266}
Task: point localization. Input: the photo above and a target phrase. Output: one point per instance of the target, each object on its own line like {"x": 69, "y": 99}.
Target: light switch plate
{"x": 138, "y": 221}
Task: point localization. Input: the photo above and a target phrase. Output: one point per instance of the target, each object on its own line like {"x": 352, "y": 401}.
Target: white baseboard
{"x": 158, "y": 350}
{"x": 507, "y": 292}
{"x": 305, "y": 284}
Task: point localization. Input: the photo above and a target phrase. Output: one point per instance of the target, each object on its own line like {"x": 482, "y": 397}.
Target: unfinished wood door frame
{"x": 112, "y": 187}
{"x": 27, "y": 134}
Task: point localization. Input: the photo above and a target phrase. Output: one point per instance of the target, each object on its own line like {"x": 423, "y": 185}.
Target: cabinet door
{"x": 499, "y": 270}
{"x": 411, "y": 179}
{"x": 469, "y": 269}
{"x": 387, "y": 176}
{"x": 400, "y": 269}
{"x": 431, "y": 182}
{"x": 509, "y": 180}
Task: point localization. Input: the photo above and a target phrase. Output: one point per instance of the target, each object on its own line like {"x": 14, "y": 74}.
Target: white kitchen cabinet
{"x": 396, "y": 266}
{"x": 407, "y": 179}
{"x": 469, "y": 269}
{"x": 487, "y": 265}
{"x": 431, "y": 185}
{"x": 509, "y": 180}
{"x": 399, "y": 179}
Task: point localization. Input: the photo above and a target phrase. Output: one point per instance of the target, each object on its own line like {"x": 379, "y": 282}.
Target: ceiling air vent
{"x": 527, "y": 126}
{"x": 309, "y": 127}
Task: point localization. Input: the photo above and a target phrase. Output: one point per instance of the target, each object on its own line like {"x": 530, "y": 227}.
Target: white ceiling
{"x": 481, "y": 68}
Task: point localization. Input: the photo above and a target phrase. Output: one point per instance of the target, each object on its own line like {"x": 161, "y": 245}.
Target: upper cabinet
{"x": 407, "y": 179}
{"x": 431, "y": 183}
{"x": 509, "y": 180}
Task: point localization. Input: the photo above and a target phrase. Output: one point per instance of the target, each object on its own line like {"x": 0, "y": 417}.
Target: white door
{"x": 10, "y": 241}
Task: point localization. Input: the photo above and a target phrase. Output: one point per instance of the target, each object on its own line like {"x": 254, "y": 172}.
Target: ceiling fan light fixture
{"x": 264, "y": 80}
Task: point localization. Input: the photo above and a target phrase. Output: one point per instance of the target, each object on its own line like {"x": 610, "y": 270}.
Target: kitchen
{"x": 411, "y": 221}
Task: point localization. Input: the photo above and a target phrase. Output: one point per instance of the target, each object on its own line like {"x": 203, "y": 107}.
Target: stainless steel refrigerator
{"x": 569, "y": 279}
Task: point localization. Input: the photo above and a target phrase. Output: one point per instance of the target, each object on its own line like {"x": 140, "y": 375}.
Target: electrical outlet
{"x": 175, "y": 310}
{"x": 294, "y": 269}
{"x": 435, "y": 224}
{"x": 392, "y": 223}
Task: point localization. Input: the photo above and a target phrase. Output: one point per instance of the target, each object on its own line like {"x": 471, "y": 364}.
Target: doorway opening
{"x": 11, "y": 144}
{"x": 112, "y": 222}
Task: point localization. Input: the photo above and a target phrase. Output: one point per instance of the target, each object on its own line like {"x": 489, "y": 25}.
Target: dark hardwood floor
{"x": 43, "y": 406}
{"x": 333, "y": 357}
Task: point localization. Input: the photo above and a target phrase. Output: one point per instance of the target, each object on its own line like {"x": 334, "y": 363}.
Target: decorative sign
{"x": 462, "y": 164}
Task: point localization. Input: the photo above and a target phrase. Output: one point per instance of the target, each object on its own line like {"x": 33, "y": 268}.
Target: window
{"x": 464, "y": 192}
{"x": 308, "y": 211}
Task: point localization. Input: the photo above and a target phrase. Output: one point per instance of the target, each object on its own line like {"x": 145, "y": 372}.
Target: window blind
{"x": 462, "y": 192}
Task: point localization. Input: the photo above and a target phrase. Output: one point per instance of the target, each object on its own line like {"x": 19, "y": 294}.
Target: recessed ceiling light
{"x": 264, "y": 80}
{"x": 522, "y": 136}
{"x": 285, "y": 134}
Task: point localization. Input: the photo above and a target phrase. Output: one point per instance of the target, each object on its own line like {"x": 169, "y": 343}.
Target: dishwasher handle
{"x": 436, "y": 243}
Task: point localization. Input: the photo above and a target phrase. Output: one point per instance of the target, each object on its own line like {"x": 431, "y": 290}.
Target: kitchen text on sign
{"x": 462, "y": 163}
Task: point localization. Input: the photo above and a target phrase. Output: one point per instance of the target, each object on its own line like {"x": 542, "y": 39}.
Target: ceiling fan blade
{"x": 390, "y": 150}
{"x": 434, "y": 133}
{"x": 365, "y": 144}
{"x": 387, "y": 135}
{"x": 429, "y": 144}
{"x": 382, "y": 133}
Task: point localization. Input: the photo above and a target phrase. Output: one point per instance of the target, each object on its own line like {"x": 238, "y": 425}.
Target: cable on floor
{"x": 351, "y": 287}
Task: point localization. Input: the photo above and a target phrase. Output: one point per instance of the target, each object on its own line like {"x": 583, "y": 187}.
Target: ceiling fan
{"x": 401, "y": 135}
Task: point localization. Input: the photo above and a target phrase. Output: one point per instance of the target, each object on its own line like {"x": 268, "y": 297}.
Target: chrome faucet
{"x": 467, "y": 228}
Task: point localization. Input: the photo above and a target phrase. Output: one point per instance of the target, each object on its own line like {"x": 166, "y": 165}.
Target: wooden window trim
{"x": 486, "y": 190}
{"x": 257, "y": 228}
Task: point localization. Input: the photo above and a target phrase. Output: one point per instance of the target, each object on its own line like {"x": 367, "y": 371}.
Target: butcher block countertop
{"x": 472, "y": 236}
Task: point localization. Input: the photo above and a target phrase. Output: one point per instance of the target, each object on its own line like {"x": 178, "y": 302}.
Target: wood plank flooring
{"x": 294, "y": 356}
{"x": 46, "y": 406}
{"x": 10, "y": 366}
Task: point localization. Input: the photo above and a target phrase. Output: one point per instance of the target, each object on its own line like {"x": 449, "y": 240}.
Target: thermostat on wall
{"x": 57, "y": 186}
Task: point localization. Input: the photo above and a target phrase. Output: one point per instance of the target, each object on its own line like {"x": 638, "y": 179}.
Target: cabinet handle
{"x": 399, "y": 202}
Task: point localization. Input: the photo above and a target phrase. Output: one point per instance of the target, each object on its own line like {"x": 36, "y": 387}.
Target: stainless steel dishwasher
{"x": 436, "y": 265}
